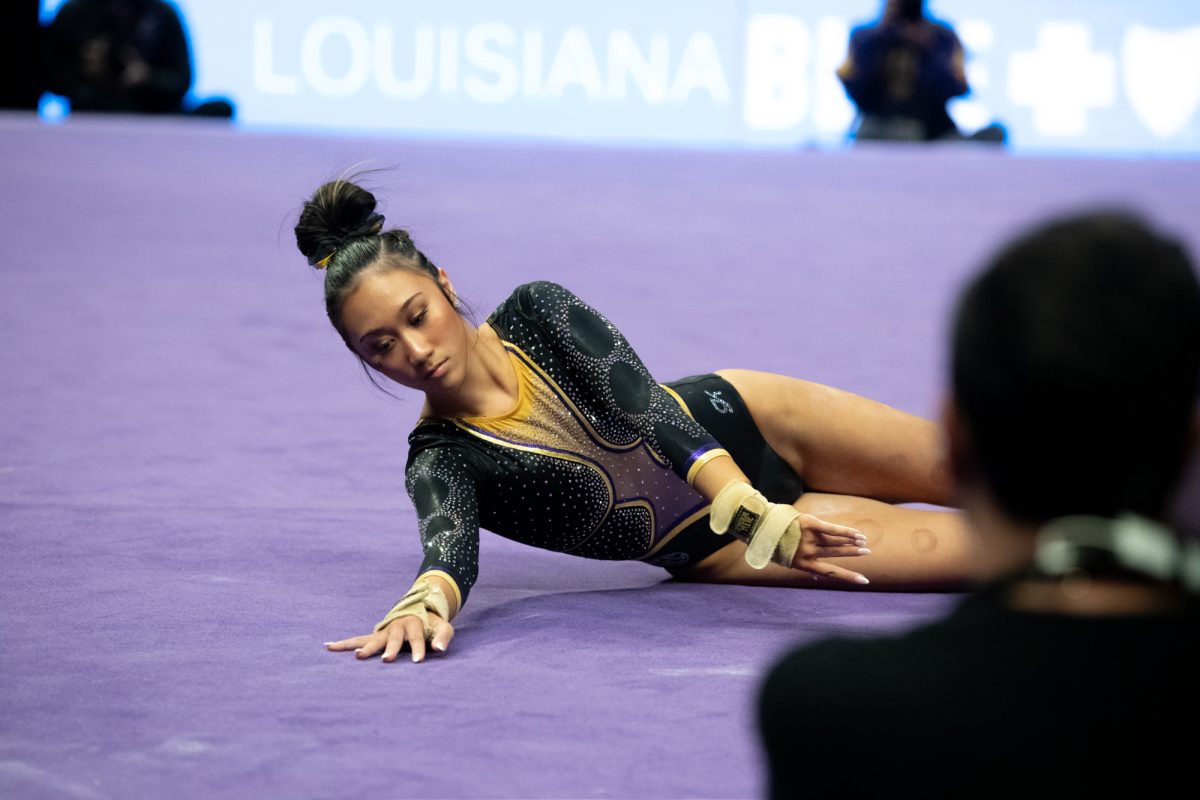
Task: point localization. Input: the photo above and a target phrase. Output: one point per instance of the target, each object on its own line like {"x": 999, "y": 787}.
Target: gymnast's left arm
{"x": 779, "y": 533}
{"x": 613, "y": 373}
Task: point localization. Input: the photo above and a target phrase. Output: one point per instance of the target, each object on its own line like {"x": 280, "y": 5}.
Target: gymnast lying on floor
{"x": 543, "y": 426}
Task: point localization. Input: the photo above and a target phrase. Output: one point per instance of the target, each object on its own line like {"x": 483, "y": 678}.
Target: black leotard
{"x": 596, "y": 459}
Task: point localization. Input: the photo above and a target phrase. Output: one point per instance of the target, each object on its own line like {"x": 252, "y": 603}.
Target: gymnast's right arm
{"x": 442, "y": 488}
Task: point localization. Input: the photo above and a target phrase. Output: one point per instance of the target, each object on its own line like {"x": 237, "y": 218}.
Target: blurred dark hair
{"x": 910, "y": 10}
{"x": 1075, "y": 365}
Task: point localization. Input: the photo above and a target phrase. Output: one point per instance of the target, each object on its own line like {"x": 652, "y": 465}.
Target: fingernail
{"x": 862, "y": 579}
{"x": 441, "y": 648}
{"x": 329, "y": 644}
{"x": 864, "y": 551}
{"x": 415, "y": 659}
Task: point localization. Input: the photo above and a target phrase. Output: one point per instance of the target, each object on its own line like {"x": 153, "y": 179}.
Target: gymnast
{"x": 543, "y": 425}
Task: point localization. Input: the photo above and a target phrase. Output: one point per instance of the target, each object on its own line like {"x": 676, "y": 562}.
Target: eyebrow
{"x": 376, "y": 331}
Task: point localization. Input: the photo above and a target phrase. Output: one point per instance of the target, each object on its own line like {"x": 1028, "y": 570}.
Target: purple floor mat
{"x": 198, "y": 487}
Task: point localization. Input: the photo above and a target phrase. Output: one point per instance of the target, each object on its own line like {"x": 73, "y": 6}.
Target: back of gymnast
{"x": 542, "y": 425}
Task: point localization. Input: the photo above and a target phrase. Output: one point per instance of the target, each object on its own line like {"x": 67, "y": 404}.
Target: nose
{"x": 417, "y": 349}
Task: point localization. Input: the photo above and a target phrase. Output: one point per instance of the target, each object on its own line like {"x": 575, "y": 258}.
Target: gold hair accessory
{"x": 324, "y": 262}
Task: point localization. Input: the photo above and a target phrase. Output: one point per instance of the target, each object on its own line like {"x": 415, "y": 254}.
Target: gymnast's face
{"x": 402, "y": 324}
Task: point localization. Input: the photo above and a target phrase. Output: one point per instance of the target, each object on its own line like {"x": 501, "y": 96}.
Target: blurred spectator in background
{"x": 19, "y": 33}
{"x": 901, "y": 71}
{"x": 1075, "y": 368}
{"x": 123, "y": 56}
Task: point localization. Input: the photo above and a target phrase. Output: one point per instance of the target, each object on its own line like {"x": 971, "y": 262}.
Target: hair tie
{"x": 372, "y": 226}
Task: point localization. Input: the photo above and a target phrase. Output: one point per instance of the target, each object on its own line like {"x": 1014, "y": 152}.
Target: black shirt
{"x": 989, "y": 702}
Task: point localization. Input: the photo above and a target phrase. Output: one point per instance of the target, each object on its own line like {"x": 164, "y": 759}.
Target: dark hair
{"x": 911, "y": 10}
{"x": 340, "y": 231}
{"x": 1076, "y": 364}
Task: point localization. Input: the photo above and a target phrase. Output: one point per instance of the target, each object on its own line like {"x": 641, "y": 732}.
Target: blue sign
{"x": 1063, "y": 75}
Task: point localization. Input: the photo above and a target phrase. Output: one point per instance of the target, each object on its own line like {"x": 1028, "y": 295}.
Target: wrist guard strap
{"x": 737, "y": 510}
{"x": 770, "y": 530}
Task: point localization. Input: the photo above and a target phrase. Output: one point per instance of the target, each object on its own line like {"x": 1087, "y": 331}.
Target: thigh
{"x": 842, "y": 443}
{"x": 911, "y": 550}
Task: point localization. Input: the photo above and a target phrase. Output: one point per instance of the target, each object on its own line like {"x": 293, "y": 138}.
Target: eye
{"x": 419, "y": 318}
{"x": 381, "y": 346}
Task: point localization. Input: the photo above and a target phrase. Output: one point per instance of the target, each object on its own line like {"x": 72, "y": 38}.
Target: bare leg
{"x": 854, "y": 453}
{"x": 846, "y": 444}
{"x": 911, "y": 550}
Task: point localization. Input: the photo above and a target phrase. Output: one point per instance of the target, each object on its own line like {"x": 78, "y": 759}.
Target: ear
{"x": 443, "y": 282}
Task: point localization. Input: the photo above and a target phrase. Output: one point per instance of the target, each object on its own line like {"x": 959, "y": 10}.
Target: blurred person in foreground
{"x": 901, "y": 71}
{"x": 123, "y": 56}
{"x": 1072, "y": 413}
{"x": 20, "y": 33}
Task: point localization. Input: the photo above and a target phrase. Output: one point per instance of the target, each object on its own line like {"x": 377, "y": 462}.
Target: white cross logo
{"x": 1062, "y": 79}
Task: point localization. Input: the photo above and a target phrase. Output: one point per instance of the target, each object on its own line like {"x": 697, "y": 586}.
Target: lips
{"x": 437, "y": 371}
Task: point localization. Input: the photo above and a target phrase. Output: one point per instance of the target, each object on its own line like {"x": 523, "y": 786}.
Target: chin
{"x": 453, "y": 381}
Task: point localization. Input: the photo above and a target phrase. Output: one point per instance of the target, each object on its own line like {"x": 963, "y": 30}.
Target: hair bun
{"x": 337, "y": 212}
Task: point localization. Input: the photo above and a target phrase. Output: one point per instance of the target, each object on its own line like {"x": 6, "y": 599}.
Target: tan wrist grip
{"x": 737, "y": 510}
{"x": 776, "y": 539}
{"x": 422, "y": 598}
{"x": 770, "y": 530}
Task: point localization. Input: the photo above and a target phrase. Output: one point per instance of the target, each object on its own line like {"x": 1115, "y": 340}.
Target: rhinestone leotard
{"x": 596, "y": 459}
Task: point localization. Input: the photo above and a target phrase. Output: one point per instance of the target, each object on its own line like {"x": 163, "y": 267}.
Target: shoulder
{"x": 543, "y": 303}
{"x": 433, "y": 442}
{"x": 944, "y": 34}
{"x": 848, "y": 684}
{"x": 865, "y": 34}
{"x": 524, "y": 299}
{"x": 70, "y": 12}
{"x": 806, "y": 669}
{"x": 840, "y": 682}
{"x": 440, "y": 467}
{"x": 539, "y": 293}
{"x": 887, "y": 663}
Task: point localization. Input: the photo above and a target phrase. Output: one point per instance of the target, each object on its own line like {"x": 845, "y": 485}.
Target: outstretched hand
{"x": 391, "y": 639}
{"x": 820, "y": 540}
